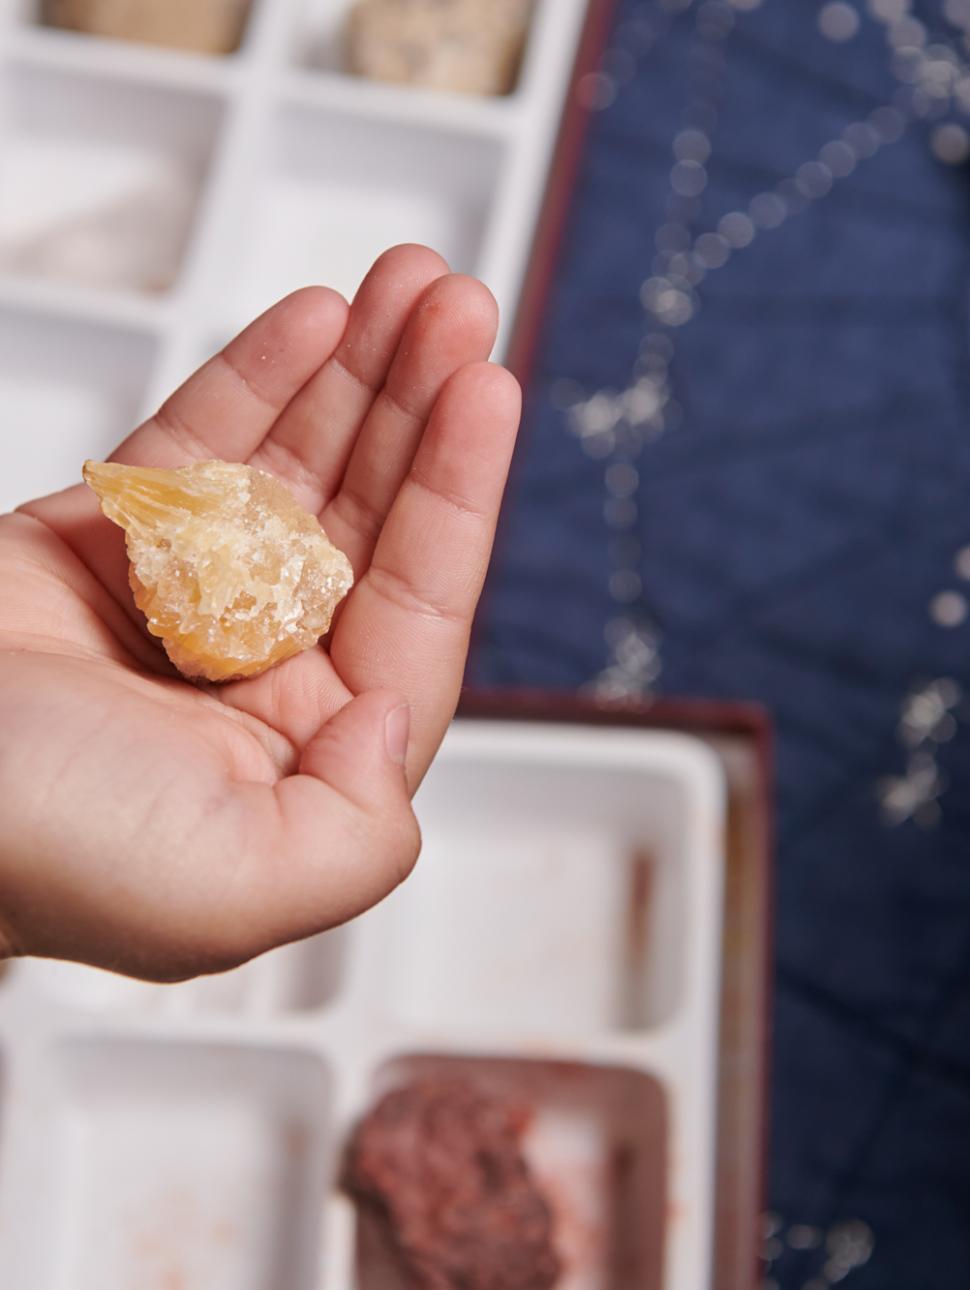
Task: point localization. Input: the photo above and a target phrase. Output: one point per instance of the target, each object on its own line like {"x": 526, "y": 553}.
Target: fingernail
{"x": 397, "y": 728}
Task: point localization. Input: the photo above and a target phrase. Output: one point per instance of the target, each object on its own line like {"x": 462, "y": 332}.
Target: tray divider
{"x": 230, "y": 181}
{"x": 79, "y": 53}
{"x": 504, "y": 256}
{"x": 423, "y": 109}
{"x": 121, "y": 309}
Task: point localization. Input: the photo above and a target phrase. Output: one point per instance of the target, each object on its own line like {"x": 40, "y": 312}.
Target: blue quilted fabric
{"x": 801, "y": 532}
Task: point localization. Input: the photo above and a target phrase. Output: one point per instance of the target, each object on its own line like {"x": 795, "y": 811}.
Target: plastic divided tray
{"x": 152, "y": 202}
{"x": 560, "y": 939}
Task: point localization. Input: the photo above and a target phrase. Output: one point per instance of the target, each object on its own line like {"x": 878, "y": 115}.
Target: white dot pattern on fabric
{"x": 928, "y": 719}
{"x": 838, "y": 21}
{"x": 833, "y": 1254}
{"x": 814, "y": 179}
{"x": 736, "y": 228}
{"x": 614, "y": 425}
{"x": 950, "y": 143}
{"x": 838, "y": 157}
{"x": 948, "y": 609}
{"x": 597, "y": 90}
{"x": 801, "y": 1236}
{"x": 961, "y": 563}
{"x": 889, "y": 10}
{"x": 692, "y": 145}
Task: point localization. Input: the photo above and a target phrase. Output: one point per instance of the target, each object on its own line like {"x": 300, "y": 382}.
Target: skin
{"x": 163, "y": 829}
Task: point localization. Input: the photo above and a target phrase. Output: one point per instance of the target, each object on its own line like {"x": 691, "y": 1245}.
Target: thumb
{"x": 341, "y": 834}
{"x": 362, "y": 751}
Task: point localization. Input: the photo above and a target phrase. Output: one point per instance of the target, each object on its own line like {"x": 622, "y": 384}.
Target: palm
{"x": 166, "y": 797}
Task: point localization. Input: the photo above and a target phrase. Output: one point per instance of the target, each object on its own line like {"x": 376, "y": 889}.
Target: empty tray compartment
{"x": 68, "y": 390}
{"x": 198, "y": 1166}
{"x": 596, "y": 1143}
{"x": 100, "y": 180}
{"x": 558, "y": 883}
{"x": 338, "y": 190}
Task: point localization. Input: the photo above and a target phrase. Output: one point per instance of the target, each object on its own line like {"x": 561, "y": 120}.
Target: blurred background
{"x": 746, "y": 463}
{"x": 770, "y": 240}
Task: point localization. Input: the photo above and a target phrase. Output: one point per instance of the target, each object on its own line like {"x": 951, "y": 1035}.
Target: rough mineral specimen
{"x": 204, "y": 26}
{"x": 468, "y": 46}
{"x": 440, "y": 1163}
{"x": 228, "y": 570}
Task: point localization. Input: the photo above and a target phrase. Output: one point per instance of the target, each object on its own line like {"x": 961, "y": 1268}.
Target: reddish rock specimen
{"x": 441, "y": 1163}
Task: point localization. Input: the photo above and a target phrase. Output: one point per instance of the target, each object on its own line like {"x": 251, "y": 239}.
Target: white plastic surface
{"x": 67, "y": 389}
{"x": 191, "y": 1136}
{"x": 561, "y": 932}
{"x": 187, "y": 1165}
{"x": 170, "y": 197}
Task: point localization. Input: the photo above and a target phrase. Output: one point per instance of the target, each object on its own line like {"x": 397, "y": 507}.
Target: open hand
{"x": 164, "y": 829}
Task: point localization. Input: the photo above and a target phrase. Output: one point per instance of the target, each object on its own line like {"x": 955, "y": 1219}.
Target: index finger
{"x": 225, "y": 410}
{"x": 229, "y": 406}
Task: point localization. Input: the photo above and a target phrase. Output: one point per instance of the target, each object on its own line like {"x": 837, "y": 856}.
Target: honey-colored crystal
{"x": 228, "y": 569}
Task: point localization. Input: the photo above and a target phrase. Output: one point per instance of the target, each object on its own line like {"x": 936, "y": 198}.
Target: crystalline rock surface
{"x": 228, "y": 569}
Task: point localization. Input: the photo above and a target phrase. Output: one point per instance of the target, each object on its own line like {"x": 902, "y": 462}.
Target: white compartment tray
{"x": 169, "y": 198}
{"x": 560, "y": 938}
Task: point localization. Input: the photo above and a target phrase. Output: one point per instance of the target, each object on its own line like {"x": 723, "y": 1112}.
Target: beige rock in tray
{"x": 203, "y": 26}
{"x": 471, "y": 46}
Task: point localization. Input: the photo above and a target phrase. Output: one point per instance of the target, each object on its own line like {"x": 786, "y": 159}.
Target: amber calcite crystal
{"x": 228, "y": 569}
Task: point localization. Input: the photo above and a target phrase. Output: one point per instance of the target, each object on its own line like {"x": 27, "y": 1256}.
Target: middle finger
{"x": 311, "y": 442}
